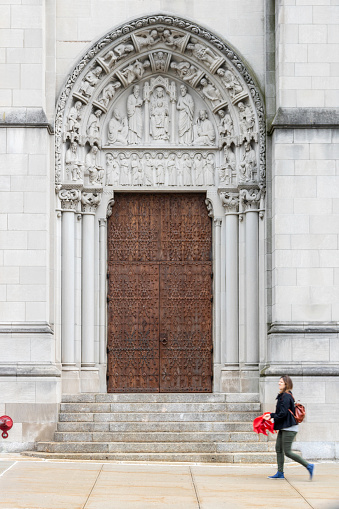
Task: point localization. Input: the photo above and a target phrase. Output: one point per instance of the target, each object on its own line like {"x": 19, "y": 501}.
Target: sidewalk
{"x": 44, "y": 484}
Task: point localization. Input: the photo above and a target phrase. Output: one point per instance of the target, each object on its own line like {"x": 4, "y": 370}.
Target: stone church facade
{"x": 169, "y": 212}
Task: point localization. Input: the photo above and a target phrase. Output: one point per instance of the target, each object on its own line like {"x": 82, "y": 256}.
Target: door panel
{"x": 159, "y": 291}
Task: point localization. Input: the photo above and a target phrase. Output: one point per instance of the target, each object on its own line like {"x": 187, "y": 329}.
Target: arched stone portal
{"x": 160, "y": 105}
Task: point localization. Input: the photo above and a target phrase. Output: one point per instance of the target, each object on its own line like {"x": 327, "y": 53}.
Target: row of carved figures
{"x": 148, "y": 169}
{"x": 190, "y": 130}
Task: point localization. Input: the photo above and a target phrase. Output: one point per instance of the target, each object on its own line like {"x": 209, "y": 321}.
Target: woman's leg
{"x": 279, "y": 449}
{"x": 287, "y": 439}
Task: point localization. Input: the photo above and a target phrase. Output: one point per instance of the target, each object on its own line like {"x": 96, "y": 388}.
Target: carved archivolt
{"x": 160, "y": 102}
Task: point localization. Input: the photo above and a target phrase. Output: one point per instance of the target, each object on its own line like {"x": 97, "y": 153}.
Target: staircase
{"x": 204, "y": 428}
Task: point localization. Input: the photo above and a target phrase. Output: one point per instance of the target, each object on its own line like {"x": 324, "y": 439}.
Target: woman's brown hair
{"x": 288, "y": 383}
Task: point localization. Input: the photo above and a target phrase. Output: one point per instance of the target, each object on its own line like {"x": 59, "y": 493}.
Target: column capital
{"x": 69, "y": 198}
{"x": 110, "y": 207}
{"x": 250, "y": 199}
{"x": 102, "y": 221}
{"x": 90, "y": 199}
{"x": 218, "y": 221}
{"x": 230, "y": 202}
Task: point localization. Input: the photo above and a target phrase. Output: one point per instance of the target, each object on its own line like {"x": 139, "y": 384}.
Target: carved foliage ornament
{"x": 206, "y": 63}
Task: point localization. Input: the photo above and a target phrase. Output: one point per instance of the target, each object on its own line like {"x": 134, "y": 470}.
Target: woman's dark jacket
{"x": 282, "y": 415}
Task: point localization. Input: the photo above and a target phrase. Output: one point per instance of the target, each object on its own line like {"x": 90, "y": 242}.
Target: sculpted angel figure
{"x": 73, "y": 119}
{"x": 147, "y": 40}
{"x": 185, "y": 105}
{"x": 210, "y": 92}
{"x": 74, "y": 167}
{"x": 134, "y": 114}
{"x": 91, "y": 79}
{"x": 202, "y": 53}
{"x": 117, "y": 128}
{"x": 204, "y": 133}
{"x": 109, "y": 92}
{"x": 230, "y": 82}
{"x": 159, "y": 115}
{"x": 172, "y": 40}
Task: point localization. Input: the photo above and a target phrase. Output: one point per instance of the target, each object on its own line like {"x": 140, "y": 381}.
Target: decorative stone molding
{"x": 90, "y": 200}
{"x": 209, "y": 206}
{"x": 218, "y": 221}
{"x": 69, "y": 199}
{"x": 110, "y": 207}
{"x": 173, "y": 53}
{"x": 230, "y": 201}
{"x": 305, "y": 118}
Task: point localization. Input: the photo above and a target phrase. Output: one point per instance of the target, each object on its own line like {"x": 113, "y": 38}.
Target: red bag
{"x": 260, "y": 425}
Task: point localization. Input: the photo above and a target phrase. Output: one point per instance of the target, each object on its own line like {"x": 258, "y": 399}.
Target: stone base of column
{"x": 102, "y": 378}
{"x": 236, "y": 379}
{"x": 89, "y": 379}
{"x": 70, "y": 380}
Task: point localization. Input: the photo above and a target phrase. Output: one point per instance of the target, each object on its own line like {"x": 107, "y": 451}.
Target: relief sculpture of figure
{"x": 159, "y": 61}
{"x": 185, "y": 71}
{"x": 95, "y": 171}
{"x": 112, "y": 170}
{"x": 209, "y": 170}
{"x": 93, "y": 126}
{"x": 247, "y": 166}
{"x": 246, "y": 122}
{"x": 172, "y": 170}
{"x": 185, "y": 105}
{"x": 227, "y": 173}
{"x": 91, "y": 79}
{"x": 125, "y": 177}
{"x": 210, "y": 92}
{"x": 230, "y": 82}
{"x": 226, "y": 128}
{"x": 74, "y": 167}
{"x": 136, "y": 170}
{"x": 198, "y": 170}
{"x": 73, "y": 120}
{"x": 117, "y": 129}
{"x": 186, "y": 165}
{"x": 148, "y": 170}
{"x": 147, "y": 40}
{"x": 204, "y": 133}
{"x": 202, "y": 53}
{"x": 134, "y": 114}
{"x": 118, "y": 52}
{"x": 174, "y": 41}
{"x": 108, "y": 93}
{"x": 159, "y": 115}
{"x": 159, "y": 165}
{"x": 135, "y": 71}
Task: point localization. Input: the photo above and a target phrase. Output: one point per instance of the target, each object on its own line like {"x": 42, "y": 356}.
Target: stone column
{"x": 217, "y": 289}
{"x": 102, "y": 289}
{"x": 69, "y": 199}
{"x": 90, "y": 200}
{"x": 231, "y": 204}
{"x": 250, "y": 203}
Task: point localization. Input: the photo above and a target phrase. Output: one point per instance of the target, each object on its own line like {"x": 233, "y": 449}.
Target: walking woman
{"x": 287, "y": 427}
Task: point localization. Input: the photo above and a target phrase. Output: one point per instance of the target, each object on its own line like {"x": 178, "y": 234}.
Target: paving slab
{"x": 28, "y": 483}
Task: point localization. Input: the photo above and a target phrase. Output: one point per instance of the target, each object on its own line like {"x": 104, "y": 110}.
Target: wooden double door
{"x": 159, "y": 294}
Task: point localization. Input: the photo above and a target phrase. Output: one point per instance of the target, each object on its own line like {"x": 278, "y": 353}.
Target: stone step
{"x": 163, "y": 397}
{"x": 218, "y": 458}
{"x": 152, "y": 447}
{"x": 159, "y": 417}
{"x": 158, "y": 437}
{"x": 174, "y": 427}
{"x": 158, "y": 407}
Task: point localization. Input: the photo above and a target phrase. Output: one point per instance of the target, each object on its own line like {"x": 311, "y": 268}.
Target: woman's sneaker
{"x": 310, "y": 468}
{"x": 278, "y": 475}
